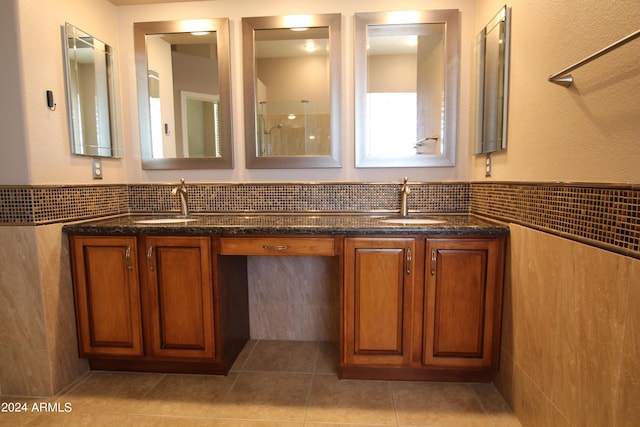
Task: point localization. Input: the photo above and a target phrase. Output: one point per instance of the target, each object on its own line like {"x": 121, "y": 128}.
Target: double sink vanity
{"x": 420, "y": 296}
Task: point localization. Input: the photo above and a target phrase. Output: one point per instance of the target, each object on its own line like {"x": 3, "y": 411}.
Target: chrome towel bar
{"x": 563, "y": 79}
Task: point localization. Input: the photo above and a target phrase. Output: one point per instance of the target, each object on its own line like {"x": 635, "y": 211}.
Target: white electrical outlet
{"x": 96, "y": 167}
{"x": 487, "y": 170}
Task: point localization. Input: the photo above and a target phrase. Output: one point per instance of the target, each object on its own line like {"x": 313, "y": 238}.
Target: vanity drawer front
{"x": 309, "y": 246}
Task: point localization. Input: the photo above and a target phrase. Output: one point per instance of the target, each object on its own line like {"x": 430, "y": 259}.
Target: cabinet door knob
{"x": 408, "y": 259}
{"x": 150, "y": 257}
{"x": 434, "y": 259}
{"x": 127, "y": 258}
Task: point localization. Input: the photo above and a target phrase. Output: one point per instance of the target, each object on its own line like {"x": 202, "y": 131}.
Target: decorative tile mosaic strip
{"x": 356, "y": 197}
{"x": 16, "y": 205}
{"x": 608, "y": 217}
{"x": 46, "y": 204}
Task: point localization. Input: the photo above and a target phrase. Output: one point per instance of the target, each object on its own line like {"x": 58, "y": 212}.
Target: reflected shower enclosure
{"x": 292, "y": 128}
{"x": 291, "y": 69}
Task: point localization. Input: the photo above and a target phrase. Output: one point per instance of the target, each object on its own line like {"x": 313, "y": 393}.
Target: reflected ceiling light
{"x": 194, "y": 25}
{"x": 412, "y": 40}
{"x": 199, "y": 33}
{"x": 404, "y": 17}
{"x": 310, "y": 46}
{"x": 298, "y": 21}
{"x": 299, "y": 29}
{"x": 291, "y": 116}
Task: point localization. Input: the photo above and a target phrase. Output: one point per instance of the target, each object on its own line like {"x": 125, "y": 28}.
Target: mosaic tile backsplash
{"x": 349, "y": 198}
{"x": 36, "y": 205}
{"x": 604, "y": 215}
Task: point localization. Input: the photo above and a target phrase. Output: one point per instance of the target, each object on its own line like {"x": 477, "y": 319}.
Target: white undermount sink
{"x": 165, "y": 220}
{"x": 424, "y": 221}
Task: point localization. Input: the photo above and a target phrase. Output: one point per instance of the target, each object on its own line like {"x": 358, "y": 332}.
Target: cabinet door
{"x": 179, "y": 297}
{"x": 463, "y": 302}
{"x": 378, "y": 286}
{"x": 107, "y": 295}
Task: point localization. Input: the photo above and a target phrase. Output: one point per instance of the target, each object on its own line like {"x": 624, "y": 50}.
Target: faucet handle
{"x": 405, "y": 186}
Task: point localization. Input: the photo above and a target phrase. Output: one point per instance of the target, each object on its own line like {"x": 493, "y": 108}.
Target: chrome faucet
{"x": 404, "y": 194}
{"x": 181, "y": 190}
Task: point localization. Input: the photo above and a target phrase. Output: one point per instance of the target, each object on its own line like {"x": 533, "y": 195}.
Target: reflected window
{"x": 155, "y": 112}
{"x": 406, "y": 88}
{"x": 398, "y": 108}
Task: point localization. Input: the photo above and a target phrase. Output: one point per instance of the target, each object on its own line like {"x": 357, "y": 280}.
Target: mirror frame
{"x": 110, "y": 78}
{"x": 451, "y": 19}
{"x": 221, "y": 27}
{"x": 497, "y": 102}
{"x": 333, "y": 22}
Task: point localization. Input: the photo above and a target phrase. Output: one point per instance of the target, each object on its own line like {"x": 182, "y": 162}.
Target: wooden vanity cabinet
{"x": 422, "y": 308}
{"x": 378, "y": 286}
{"x": 413, "y": 307}
{"x": 159, "y": 303}
{"x": 107, "y": 296}
{"x": 178, "y": 296}
{"x": 463, "y": 303}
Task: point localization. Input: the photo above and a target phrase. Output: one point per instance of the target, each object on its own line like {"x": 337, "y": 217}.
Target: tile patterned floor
{"x": 274, "y": 384}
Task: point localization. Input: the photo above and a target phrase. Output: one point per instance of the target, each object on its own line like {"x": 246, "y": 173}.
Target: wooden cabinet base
{"x": 168, "y": 366}
{"x": 414, "y": 374}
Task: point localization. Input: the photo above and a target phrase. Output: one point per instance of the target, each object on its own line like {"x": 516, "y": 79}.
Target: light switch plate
{"x": 96, "y": 167}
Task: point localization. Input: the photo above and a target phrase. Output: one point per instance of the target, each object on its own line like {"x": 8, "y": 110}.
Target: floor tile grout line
{"x": 393, "y": 402}
{"x": 310, "y": 389}
{"x": 479, "y": 401}
{"x": 239, "y": 372}
{"x": 73, "y": 385}
{"x": 141, "y": 398}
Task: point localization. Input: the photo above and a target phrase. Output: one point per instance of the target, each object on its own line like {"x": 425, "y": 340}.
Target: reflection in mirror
{"x": 492, "y": 84}
{"x": 407, "y": 71}
{"x": 92, "y": 102}
{"x": 184, "y": 93}
{"x": 292, "y": 90}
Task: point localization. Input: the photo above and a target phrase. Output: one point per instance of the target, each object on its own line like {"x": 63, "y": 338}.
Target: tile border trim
{"x": 598, "y": 214}
{"x": 605, "y": 216}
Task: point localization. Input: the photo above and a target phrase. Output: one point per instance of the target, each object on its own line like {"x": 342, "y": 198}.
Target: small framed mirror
{"x": 92, "y": 94}
{"x": 184, "y": 94}
{"x": 407, "y": 67}
{"x": 492, "y": 84}
{"x": 292, "y": 91}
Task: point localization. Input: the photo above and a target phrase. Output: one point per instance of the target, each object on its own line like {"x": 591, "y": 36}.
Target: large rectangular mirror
{"x": 292, "y": 91}
{"x": 492, "y": 84}
{"x": 184, "y": 95}
{"x": 92, "y": 94}
{"x": 407, "y": 66}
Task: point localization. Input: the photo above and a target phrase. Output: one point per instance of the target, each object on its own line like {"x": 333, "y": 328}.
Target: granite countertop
{"x": 260, "y": 223}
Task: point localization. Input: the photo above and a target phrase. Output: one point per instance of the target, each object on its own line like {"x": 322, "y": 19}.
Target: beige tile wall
{"x": 570, "y": 348}
{"x": 294, "y": 298}
{"x": 38, "y": 346}
{"x": 59, "y": 312}
{"x": 23, "y": 341}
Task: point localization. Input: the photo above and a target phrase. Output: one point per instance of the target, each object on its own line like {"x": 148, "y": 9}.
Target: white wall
{"x": 13, "y": 161}
{"x": 587, "y": 133}
{"x": 45, "y": 135}
{"x": 38, "y": 139}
